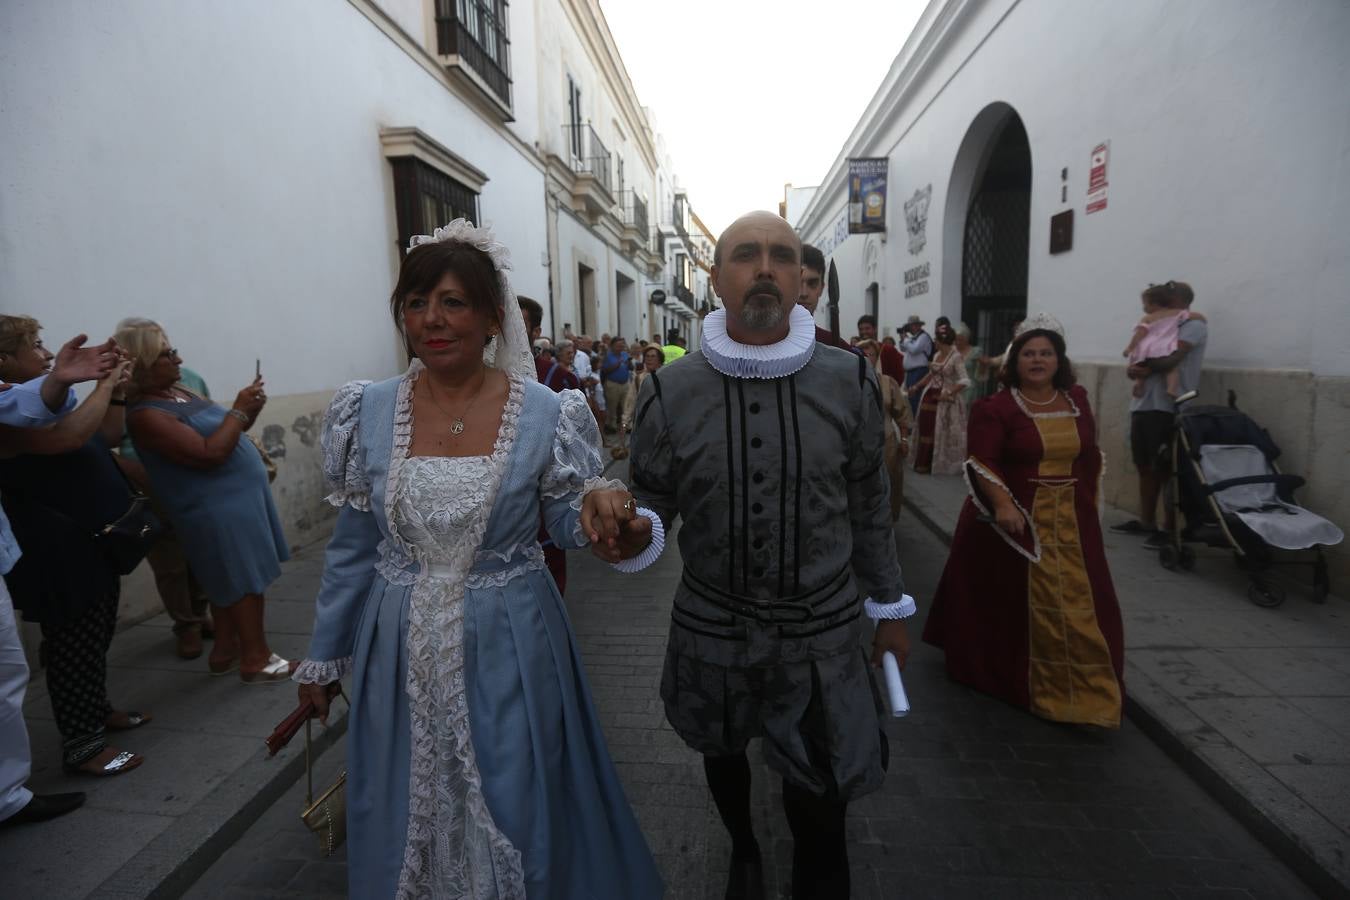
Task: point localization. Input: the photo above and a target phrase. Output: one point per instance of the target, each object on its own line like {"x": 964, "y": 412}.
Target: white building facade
{"x": 601, "y": 166}
{"x": 1060, "y": 157}
{"x": 249, "y": 173}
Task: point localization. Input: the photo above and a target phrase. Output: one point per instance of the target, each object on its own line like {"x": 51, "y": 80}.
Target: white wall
{"x": 219, "y": 169}
{"x": 1229, "y": 167}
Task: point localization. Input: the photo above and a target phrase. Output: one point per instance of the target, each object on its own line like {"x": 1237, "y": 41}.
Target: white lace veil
{"x": 510, "y": 351}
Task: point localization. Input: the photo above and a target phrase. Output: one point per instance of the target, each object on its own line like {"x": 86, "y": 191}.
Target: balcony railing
{"x": 636, "y": 214}
{"x": 475, "y": 31}
{"x": 677, "y": 219}
{"x": 589, "y": 154}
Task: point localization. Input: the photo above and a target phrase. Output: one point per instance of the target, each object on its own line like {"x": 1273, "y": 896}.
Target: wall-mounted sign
{"x": 1096, "y": 192}
{"x": 867, "y": 195}
{"x": 835, "y": 235}
{"x": 1061, "y": 231}
{"x": 916, "y": 218}
{"x": 916, "y": 281}
{"x": 658, "y": 297}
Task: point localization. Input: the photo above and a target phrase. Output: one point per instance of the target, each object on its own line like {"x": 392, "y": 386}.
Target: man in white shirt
{"x": 917, "y": 347}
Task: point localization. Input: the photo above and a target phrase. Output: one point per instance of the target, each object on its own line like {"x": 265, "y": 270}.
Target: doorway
{"x": 988, "y": 216}
{"x": 589, "y": 315}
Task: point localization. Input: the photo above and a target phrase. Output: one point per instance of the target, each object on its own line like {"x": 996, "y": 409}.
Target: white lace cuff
{"x": 651, "y": 552}
{"x": 900, "y": 609}
{"x": 326, "y": 671}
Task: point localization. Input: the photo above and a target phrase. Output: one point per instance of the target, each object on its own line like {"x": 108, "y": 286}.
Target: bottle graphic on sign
{"x": 855, "y": 206}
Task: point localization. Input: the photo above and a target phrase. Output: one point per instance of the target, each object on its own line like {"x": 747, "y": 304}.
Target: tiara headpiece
{"x": 1039, "y": 322}
{"x": 464, "y": 232}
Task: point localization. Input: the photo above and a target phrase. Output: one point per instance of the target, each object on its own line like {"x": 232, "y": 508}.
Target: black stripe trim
{"x": 731, "y": 488}
{"x": 796, "y": 635}
{"x": 830, "y": 586}
{"x": 739, "y": 638}
{"x": 745, "y": 491}
{"x": 725, "y": 623}
{"x": 796, "y": 490}
{"x": 782, "y": 483}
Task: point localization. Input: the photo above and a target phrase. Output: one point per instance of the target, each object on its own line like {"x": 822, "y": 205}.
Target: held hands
{"x": 251, "y": 400}
{"x": 893, "y": 636}
{"x": 615, "y": 530}
{"x": 75, "y": 363}
{"x": 321, "y": 695}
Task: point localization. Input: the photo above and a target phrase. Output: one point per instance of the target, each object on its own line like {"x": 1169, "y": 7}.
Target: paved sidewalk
{"x": 1255, "y": 702}
{"x": 151, "y": 832}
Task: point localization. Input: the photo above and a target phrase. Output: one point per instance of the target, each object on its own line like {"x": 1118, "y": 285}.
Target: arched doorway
{"x": 988, "y": 218}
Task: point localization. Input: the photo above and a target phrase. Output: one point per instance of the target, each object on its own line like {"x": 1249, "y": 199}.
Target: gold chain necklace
{"x": 457, "y": 422}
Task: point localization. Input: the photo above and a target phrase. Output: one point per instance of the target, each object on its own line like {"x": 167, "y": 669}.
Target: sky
{"x": 754, "y": 94}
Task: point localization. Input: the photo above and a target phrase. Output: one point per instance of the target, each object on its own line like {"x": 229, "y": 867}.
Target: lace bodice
{"x": 436, "y": 499}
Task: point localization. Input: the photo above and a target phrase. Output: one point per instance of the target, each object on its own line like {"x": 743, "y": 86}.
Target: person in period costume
{"x": 1025, "y": 609}
{"x": 771, "y": 447}
{"x": 899, "y": 425}
{"x": 976, "y": 371}
{"x": 941, "y": 422}
{"x": 476, "y": 766}
{"x": 813, "y": 285}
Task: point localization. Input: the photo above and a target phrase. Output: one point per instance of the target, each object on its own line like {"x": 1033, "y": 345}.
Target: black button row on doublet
{"x": 757, "y": 477}
{"x": 754, "y": 407}
{"x": 756, "y": 443}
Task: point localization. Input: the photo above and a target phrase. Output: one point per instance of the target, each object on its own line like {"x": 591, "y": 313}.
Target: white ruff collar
{"x": 731, "y": 357}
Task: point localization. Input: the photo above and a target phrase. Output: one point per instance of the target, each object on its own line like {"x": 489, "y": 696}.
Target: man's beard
{"x": 763, "y": 307}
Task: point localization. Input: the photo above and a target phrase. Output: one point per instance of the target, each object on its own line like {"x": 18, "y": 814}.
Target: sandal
{"x": 132, "y": 720}
{"x": 276, "y": 671}
{"x": 123, "y": 761}
{"x": 224, "y": 668}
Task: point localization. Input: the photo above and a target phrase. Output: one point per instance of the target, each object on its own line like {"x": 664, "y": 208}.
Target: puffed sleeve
{"x": 349, "y": 560}
{"x": 577, "y": 469}
{"x": 874, "y": 561}
{"x": 343, "y": 463}
{"x": 985, "y": 438}
{"x": 651, "y": 460}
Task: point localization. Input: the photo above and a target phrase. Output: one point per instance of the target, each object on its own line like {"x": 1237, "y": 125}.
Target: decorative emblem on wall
{"x": 916, "y": 218}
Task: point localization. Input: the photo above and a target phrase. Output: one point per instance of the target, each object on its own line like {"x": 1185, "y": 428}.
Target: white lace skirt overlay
{"x": 438, "y": 509}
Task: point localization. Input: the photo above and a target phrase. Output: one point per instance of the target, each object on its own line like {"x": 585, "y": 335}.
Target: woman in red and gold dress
{"x": 1025, "y": 610}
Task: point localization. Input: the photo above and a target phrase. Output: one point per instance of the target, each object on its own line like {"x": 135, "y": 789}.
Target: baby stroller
{"x": 1232, "y": 494}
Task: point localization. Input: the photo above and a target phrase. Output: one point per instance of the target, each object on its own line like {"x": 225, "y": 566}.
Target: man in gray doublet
{"x": 774, "y": 460}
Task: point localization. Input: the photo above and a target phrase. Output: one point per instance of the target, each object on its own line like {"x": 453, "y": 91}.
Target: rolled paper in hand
{"x": 894, "y": 686}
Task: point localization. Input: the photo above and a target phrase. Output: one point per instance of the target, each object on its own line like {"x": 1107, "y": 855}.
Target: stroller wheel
{"x": 1187, "y": 558}
{"x": 1264, "y": 594}
{"x": 1321, "y": 581}
{"x": 1168, "y": 557}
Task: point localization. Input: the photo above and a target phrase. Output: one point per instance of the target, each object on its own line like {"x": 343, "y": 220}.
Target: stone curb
{"x": 1225, "y": 772}
{"x": 175, "y": 860}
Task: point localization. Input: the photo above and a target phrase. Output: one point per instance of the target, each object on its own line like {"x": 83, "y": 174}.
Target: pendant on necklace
{"x": 457, "y": 427}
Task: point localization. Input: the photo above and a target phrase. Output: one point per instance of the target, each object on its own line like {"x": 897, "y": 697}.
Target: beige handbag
{"x": 327, "y": 816}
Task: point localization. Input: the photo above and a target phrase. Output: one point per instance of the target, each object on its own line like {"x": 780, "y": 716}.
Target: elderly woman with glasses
{"x": 211, "y": 481}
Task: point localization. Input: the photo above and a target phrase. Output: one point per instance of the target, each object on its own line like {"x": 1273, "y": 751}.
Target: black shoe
{"x": 1134, "y": 526}
{"x": 1157, "y": 540}
{"x": 45, "y": 806}
{"x": 746, "y": 879}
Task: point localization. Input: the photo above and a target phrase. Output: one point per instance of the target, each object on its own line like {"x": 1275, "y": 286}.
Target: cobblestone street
{"x": 981, "y": 800}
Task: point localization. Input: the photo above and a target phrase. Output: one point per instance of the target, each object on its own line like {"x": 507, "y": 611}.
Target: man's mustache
{"x": 764, "y": 287}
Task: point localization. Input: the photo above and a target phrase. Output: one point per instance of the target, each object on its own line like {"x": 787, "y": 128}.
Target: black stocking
{"x": 819, "y": 846}
{"x": 729, "y": 780}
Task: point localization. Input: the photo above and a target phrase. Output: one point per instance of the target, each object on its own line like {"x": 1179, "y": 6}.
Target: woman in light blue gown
{"x": 476, "y": 763}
